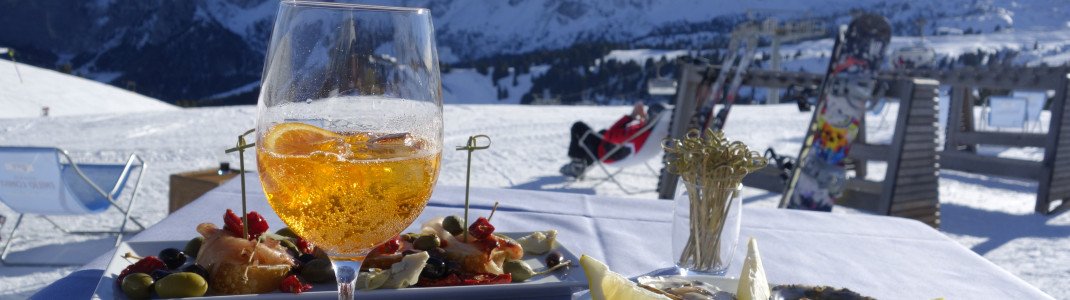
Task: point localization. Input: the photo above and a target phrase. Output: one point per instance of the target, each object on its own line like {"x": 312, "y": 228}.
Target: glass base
{"x": 346, "y": 272}
{"x": 685, "y": 272}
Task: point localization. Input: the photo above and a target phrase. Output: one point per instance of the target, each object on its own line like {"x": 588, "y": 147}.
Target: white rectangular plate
{"x": 560, "y": 284}
{"x": 727, "y": 284}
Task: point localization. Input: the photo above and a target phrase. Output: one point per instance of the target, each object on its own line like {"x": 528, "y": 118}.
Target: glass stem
{"x": 346, "y": 271}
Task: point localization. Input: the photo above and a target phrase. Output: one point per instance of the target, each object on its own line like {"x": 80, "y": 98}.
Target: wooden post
{"x": 1055, "y": 169}
{"x": 957, "y": 117}
{"x": 911, "y": 186}
{"x": 685, "y": 105}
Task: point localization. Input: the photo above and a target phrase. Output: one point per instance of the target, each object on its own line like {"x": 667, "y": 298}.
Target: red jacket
{"x": 620, "y": 132}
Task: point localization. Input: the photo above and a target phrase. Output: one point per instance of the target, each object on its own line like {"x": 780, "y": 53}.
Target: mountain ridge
{"x": 188, "y": 51}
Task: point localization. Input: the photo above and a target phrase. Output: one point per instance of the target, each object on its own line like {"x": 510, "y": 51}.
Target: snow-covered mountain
{"x": 25, "y": 91}
{"x": 211, "y": 51}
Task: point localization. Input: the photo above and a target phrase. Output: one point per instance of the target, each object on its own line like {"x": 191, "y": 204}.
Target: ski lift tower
{"x": 11, "y": 54}
{"x": 786, "y": 33}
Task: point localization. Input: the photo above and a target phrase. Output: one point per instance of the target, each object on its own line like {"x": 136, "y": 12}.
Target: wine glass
{"x": 349, "y": 125}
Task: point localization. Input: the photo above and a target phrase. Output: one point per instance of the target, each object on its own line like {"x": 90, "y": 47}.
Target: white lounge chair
{"x": 659, "y": 129}
{"x": 47, "y": 182}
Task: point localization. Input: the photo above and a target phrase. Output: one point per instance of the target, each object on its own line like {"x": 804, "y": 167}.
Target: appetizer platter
{"x": 440, "y": 260}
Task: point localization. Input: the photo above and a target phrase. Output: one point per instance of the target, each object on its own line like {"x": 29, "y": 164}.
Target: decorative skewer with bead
{"x": 471, "y": 146}
{"x": 240, "y": 148}
{"x": 712, "y": 167}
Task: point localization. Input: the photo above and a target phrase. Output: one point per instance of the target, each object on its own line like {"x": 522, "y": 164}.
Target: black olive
{"x": 407, "y": 252}
{"x": 434, "y": 269}
{"x": 437, "y": 253}
{"x": 158, "y": 274}
{"x": 317, "y": 271}
{"x": 553, "y": 259}
{"x": 173, "y": 258}
{"x": 196, "y": 269}
{"x": 453, "y": 267}
{"x": 287, "y": 232}
{"x": 305, "y": 258}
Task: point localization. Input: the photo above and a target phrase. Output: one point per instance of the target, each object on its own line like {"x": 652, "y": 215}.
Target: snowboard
{"x": 819, "y": 178}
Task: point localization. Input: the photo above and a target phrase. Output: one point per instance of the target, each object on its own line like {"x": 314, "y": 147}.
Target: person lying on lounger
{"x": 628, "y": 132}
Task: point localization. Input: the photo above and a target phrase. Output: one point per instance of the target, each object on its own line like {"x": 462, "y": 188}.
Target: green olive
{"x": 194, "y": 246}
{"x": 452, "y": 224}
{"x": 427, "y": 242}
{"x": 137, "y": 286}
{"x": 181, "y": 285}
{"x": 519, "y": 269}
{"x": 410, "y": 237}
{"x": 318, "y": 271}
{"x": 285, "y": 231}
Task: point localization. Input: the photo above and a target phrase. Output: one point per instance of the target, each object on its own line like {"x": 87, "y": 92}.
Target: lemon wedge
{"x": 752, "y": 281}
{"x": 606, "y": 284}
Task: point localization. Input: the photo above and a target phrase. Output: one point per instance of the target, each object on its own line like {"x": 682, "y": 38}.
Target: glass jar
{"x": 705, "y": 227}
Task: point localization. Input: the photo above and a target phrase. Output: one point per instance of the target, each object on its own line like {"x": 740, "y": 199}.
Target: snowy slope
{"x": 64, "y": 94}
{"x": 1052, "y": 47}
{"x": 991, "y": 215}
{"x": 466, "y": 86}
{"x": 518, "y": 26}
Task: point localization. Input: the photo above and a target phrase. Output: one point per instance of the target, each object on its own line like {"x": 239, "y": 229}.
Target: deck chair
{"x": 47, "y": 182}
{"x": 658, "y": 127}
{"x": 1034, "y": 106}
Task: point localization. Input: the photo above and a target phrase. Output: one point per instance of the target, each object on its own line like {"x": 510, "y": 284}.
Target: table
{"x": 189, "y": 186}
{"x": 883, "y": 257}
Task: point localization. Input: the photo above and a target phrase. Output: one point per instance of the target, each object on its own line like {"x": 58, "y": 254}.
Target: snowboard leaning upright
{"x": 819, "y": 179}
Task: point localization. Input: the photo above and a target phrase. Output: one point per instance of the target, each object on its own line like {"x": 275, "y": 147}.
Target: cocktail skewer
{"x": 470, "y": 146}
{"x": 240, "y": 148}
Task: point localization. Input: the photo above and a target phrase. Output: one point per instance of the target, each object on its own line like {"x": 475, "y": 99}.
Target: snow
{"x": 520, "y": 26}
{"x": 249, "y": 87}
{"x": 96, "y": 123}
{"x": 640, "y": 56}
{"x": 64, "y": 95}
{"x": 991, "y": 215}
{"x": 466, "y": 86}
{"x": 1052, "y": 48}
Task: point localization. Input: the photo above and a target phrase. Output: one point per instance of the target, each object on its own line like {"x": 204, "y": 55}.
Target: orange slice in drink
{"x": 300, "y": 139}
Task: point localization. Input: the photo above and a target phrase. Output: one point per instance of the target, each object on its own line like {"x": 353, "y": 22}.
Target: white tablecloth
{"x": 883, "y": 257}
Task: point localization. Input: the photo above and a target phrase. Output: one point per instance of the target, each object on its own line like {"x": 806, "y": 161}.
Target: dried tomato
{"x": 390, "y": 246}
{"x": 305, "y": 246}
{"x": 487, "y": 278}
{"x": 257, "y": 224}
{"x": 481, "y": 228}
{"x": 292, "y": 284}
{"x": 145, "y": 265}
{"x": 467, "y": 279}
{"x": 232, "y": 223}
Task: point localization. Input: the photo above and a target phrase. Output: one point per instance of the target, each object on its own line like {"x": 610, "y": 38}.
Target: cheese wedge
{"x": 752, "y": 282}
